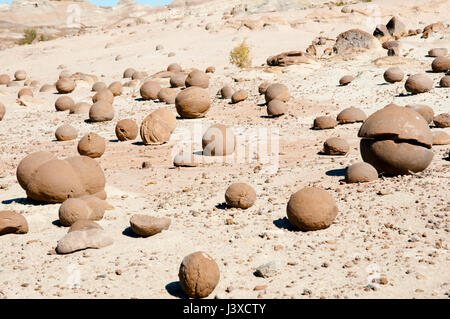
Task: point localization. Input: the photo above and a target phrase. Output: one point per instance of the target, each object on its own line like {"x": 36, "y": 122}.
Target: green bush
{"x": 29, "y": 35}
{"x": 240, "y": 56}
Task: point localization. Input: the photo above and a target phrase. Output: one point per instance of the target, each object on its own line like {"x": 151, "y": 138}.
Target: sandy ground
{"x": 401, "y": 235}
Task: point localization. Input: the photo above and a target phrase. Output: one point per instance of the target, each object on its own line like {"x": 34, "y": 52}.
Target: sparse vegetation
{"x": 240, "y": 55}
{"x": 29, "y": 35}
{"x": 139, "y": 21}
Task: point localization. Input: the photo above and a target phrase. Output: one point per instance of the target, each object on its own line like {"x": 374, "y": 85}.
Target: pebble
{"x": 269, "y": 269}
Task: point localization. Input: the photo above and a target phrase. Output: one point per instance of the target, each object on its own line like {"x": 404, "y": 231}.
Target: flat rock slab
{"x": 83, "y": 239}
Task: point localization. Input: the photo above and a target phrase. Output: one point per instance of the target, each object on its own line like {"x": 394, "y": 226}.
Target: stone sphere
{"x": 239, "y": 96}
{"x": 442, "y": 120}
{"x": 158, "y": 126}
{"x": 360, "y": 173}
{"x": 126, "y": 130}
{"x": 25, "y": 91}
{"x": 263, "y": 87}
{"x": 335, "y": 146}
{"x": 218, "y": 140}
{"x": 80, "y": 108}
{"x": 116, "y": 88}
{"x": 64, "y": 103}
{"x": 101, "y": 111}
{"x": 311, "y": 209}
{"x": 240, "y": 195}
{"x": 226, "y": 92}
{"x": 178, "y": 80}
{"x": 149, "y": 90}
{"x": 20, "y": 75}
{"x": 66, "y": 132}
{"x": 65, "y": 85}
{"x": 396, "y": 141}
{"x": 193, "y": 102}
{"x": 174, "y": 67}
{"x": 4, "y": 79}
{"x": 167, "y": 95}
{"x": 441, "y": 64}
{"x": 436, "y": 52}
{"x": 324, "y": 122}
{"x": 346, "y": 80}
{"x": 198, "y": 275}
{"x": 128, "y": 73}
{"x": 393, "y": 74}
{"x": 92, "y": 145}
{"x": 277, "y": 91}
{"x": 418, "y": 83}
{"x": 276, "y": 108}
{"x": 103, "y": 95}
{"x": 197, "y": 78}
{"x": 97, "y": 86}
{"x": 351, "y": 115}
{"x": 445, "y": 81}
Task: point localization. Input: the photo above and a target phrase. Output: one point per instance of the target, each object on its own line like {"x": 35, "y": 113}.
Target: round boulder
{"x": 66, "y": 132}
{"x": 92, "y": 145}
{"x": 351, "y": 115}
{"x": 311, "y": 209}
{"x": 193, "y": 102}
{"x": 418, "y": 83}
{"x": 240, "y": 195}
{"x": 126, "y": 130}
{"x": 360, "y": 173}
{"x": 101, "y": 111}
{"x": 198, "y": 275}
{"x": 335, "y": 146}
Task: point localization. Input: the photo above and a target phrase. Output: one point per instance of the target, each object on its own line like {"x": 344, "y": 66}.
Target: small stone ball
{"x": 240, "y": 195}
{"x": 263, "y": 87}
{"x": 128, "y": 73}
{"x": 101, "y": 111}
{"x": 445, "y": 82}
{"x": 276, "y": 108}
{"x": 239, "y": 96}
{"x": 64, "y": 103}
{"x": 20, "y": 75}
{"x": 103, "y": 95}
{"x": 116, "y": 88}
{"x": 65, "y": 85}
{"x": 441, "y": 64}
{"x": 80, "y": 108}
{"x": 277, "y": 91}
{"x": 360, "y": 173}
{"x": 418, "y": 83}
{"x": 197, "y": 78}
{"x": 92, "y": 145}
{"x": 346, "y": 80}
{"x": 226, "y": 92}
{"x": 97, "y": 86}
{"x": 66, "y": 132}
{"x": 351, "y": 115}
{"x": 178, "y": 80}
{"x": 324, "y": 122}
{"x": 167, "y": 95}
{"x": 198, "y": 275}
{"x": 393, "y": 74}
{"x": 126, "y": 130}
{"x": 311, "y": 209}
{"x": 174, "y": 67}
{"x": 436, "y": 52}
{"x": 25, "y": 91}
{"x": 149, "y": 90}
{"x": 336, "y": 146}
{"x": 4, "y": 79}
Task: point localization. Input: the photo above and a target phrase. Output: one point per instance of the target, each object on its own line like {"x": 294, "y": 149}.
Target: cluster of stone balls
{"x": 394, "y": 141}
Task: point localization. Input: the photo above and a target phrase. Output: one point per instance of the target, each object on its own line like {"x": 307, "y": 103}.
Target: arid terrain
{"x": 393, "y": 228}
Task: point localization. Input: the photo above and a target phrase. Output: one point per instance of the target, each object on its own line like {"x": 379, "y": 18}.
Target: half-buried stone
{"x": 12, "y": 223}
{"x": 335, "y": 146}
{"x": 146, "y": 226}
{"x": 351, "y": 115}
{"x": 360, "y": 173}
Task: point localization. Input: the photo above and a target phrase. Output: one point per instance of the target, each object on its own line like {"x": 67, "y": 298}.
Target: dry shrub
{"x": 240, "y": 56}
